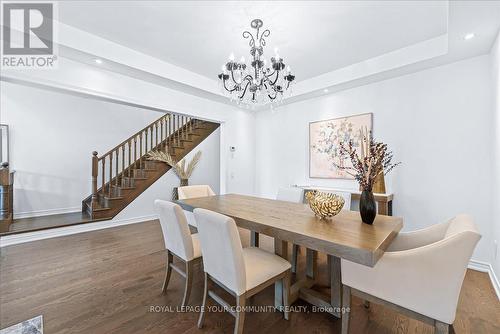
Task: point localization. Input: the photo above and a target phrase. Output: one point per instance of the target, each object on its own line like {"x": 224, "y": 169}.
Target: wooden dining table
{"x": 343, "y": 236}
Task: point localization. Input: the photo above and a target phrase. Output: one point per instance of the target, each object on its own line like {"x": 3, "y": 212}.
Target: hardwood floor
{"x": 109, "y": 281}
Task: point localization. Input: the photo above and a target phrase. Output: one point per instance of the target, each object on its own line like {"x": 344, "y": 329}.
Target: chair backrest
{"x": 202, "y": 190}
{"x": 345, "y": 195}
{"x": 175, "y": 229}
{"x": 221, "y": 249}
{"x": 460, "y": 223}
{"x": 291, "y": 194}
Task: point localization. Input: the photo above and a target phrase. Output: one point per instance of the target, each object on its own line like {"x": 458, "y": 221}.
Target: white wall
{"x": 495, "y": 63}
{"x": 437, "y": 122}
{"x": 52, "y": 136}
{"x": 237, "y": 170}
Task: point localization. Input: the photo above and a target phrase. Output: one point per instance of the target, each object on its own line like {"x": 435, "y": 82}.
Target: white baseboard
{"x": 487, "y": 268}
{"x": 20, "y": 238}
{"x": 39, "y": 213}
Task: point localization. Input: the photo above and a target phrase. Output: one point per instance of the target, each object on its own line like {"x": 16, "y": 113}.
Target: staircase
{"x": 124, "y": 172}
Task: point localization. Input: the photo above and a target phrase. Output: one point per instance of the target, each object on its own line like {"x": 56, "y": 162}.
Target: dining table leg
{"x": 280, "y": 249}
{"x": 254, "y": 239}
{"x": 335, "y": 285}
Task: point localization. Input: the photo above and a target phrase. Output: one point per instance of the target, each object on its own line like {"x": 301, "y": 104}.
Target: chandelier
{"x": 256, "y": 83}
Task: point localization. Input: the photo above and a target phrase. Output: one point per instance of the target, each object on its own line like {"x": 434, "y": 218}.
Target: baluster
{"x": 135, "y": 157}
{"x": 140, "y": 149}
{"x": 146, "y": 142}
{"x": 116, "y": 169}
{"x": 183, "y": 119}
{"x": 162, "y": 123}
{"x": 103, "y": 159}
{"x": 191, "y": 124}
{"x": 129, "y": 158}
{"x": 178, "y": 132}
{"x": 156, "y": 133}
{"x": 95, "y": 164}
{"x": 110, "y": 172}
{"x": 151, "y": 134}
{"x": 123, "y": 162}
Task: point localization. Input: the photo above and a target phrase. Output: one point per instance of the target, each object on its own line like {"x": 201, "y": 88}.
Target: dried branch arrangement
{"x": 180, "y": 168}
{"x": 373, "y": 160}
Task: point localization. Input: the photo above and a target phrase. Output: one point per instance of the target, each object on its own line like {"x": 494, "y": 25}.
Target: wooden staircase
{"x": 124, "y": 172}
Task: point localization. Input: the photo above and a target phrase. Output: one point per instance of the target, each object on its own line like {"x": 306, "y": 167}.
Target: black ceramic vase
{"x": 367, "y": 207}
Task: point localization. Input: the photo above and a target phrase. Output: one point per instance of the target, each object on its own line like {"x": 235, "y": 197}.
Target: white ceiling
{"x": 314, "y": 37}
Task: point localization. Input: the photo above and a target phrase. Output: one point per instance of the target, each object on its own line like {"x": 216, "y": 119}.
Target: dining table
{"x": 343, "y": 236}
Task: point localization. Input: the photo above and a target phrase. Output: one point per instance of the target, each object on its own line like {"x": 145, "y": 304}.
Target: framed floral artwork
{"x": 324, "y": 139}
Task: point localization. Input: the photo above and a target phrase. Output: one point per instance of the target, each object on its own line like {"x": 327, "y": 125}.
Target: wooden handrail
{"x": 165, "y": 117}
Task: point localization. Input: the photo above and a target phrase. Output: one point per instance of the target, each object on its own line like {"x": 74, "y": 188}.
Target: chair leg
{"x": 189, "y": 282}
{"x": 346, "y": 304}
{"x": 204, "y": 304}
{"x": 240, "y": 314}
{"x": 168, "y": 272}
{"x": 295, "y": 254}
{"x": 441, "y": 328}
{"x": 286, "y": 295}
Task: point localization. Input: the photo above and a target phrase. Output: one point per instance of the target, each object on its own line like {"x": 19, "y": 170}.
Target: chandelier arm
{"x": 229, "y": 90}
{"x": 277, "y": 76}
{"x": 248, "y": 34}
{"x": 262, "y": 40}
{"x": 244, "y": 90}
{"x": 232, "y": 77}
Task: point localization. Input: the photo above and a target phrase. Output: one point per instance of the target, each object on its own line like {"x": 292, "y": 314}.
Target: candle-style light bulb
{"x": 231, "y": 57}
{"x": 288, "y": 69}
{"x": 242, "y": 60}
{"x": 223, "y": 68}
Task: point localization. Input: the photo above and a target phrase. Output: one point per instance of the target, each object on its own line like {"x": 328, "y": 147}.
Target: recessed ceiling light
{"x": 325, "y": 90}
{"x": 469, "y": 36}
{"x": 98, "y": 61}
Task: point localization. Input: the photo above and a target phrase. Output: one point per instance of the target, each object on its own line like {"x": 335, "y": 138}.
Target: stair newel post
{"x": 95, "y": 165}
{"x": 184, "y": 133}
{"x": 110, "y": 172}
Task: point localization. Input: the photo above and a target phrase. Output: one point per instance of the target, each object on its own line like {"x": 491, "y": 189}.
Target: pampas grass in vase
{"x": 180, "y": 168}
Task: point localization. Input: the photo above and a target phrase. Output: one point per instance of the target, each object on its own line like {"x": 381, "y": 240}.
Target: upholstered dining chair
{"x": 420, "y": 275}
{"x": 296, "y": 195}
{"x": 194, "y": 191}
{"x": 242, "y": 272}
{"x": 179, "y": 242}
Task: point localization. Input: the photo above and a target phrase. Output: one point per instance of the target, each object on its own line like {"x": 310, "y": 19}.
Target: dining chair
{"x": 420, "y": 275}
{"x": 242, "y": 272}
{"x": 194, "y": 191}
{"x": 296, "y": 195}
{"x": 179, "y": 242}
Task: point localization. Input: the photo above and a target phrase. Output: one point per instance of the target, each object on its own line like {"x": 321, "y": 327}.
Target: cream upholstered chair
{"x": 296, "y": 195}
{"x": 194, "y": 192}
{"x": 420, "y": 275}
{"x": 202, "y": 190}
{"x": 179, "y": 242}
{"x": 242, "y": 272}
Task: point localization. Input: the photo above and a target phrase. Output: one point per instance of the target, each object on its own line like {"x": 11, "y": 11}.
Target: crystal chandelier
{"x": 256, "y": 83}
